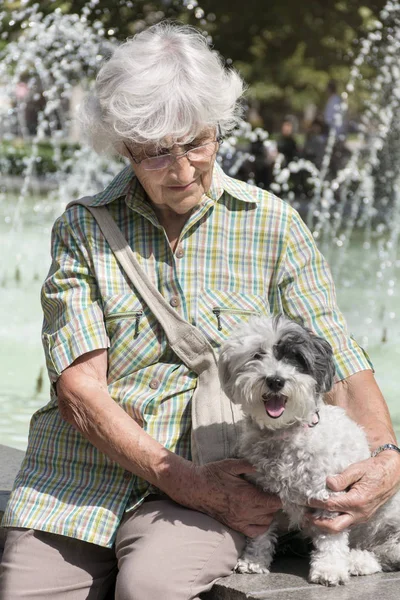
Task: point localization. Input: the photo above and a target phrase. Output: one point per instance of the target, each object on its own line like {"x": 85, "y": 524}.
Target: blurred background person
{"x": 286, "y": 142}
{"x": 333, "y": 112}
{"x": 315, "y": 142}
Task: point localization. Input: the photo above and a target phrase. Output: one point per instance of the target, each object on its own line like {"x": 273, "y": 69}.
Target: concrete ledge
{"x": 287, "y": 581}
{"x": 10, "y": 461}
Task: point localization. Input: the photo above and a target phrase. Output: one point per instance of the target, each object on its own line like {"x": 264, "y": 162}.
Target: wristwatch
{"x": 385, "y": 447}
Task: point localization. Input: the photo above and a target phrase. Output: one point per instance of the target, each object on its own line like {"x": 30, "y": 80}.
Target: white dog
{"x": 278, "y": 372}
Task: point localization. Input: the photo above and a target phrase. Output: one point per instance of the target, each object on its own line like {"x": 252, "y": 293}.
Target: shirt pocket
{"x": 123, "y": 313}
{"x": 133, "y": 331}
{"x": 221, "y": 312}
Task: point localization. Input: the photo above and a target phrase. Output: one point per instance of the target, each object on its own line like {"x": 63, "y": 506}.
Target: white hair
{"x": 165, "y": 82}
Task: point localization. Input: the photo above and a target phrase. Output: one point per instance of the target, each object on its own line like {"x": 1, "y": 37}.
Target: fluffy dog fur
{"x": 278, "y": 372}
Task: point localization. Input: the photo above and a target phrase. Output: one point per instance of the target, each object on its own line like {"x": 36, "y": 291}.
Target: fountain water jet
{"x": 360, "y": 202}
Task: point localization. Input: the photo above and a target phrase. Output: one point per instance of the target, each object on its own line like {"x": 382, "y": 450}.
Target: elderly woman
{"x": 108, "y": 488}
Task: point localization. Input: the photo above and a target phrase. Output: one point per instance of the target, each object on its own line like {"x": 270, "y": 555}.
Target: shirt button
{"x": 127, "y": 475}
{"x": 154, "y": 384}
{"x": 180, "y": 252}
{"x": 174, "y": 301}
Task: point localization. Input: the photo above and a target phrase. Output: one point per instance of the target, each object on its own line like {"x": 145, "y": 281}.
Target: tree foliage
{"x": 286, "y": 50}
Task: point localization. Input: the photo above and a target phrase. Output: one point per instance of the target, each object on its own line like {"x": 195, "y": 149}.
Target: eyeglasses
{"x": 201, "y": 153}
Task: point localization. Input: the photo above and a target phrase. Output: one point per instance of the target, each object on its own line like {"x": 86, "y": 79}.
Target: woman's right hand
{"x": 219, "y": 490}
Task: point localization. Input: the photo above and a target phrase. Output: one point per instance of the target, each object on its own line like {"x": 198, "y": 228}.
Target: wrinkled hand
{"x": 219, "y": 490}
{"x": 367, "y": 485}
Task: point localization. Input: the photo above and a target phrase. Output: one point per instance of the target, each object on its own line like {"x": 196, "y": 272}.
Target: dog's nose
{"x": 275, "y": 383}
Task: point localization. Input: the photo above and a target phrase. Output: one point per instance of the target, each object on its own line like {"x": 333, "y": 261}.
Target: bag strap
{"x": 185, "y": 340}
{"x": 215, "y": 420}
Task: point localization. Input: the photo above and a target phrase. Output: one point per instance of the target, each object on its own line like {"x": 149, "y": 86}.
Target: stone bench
{"x": 10, "y": 461}
{"x": 287, "y": 581}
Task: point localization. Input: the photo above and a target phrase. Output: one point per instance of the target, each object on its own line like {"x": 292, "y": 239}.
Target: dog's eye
{"x": 258, "y": 355}
{"x": 298, "y": 358}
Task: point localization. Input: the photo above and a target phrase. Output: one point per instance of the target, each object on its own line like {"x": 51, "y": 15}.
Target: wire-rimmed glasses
{"x": 202, "y": 153}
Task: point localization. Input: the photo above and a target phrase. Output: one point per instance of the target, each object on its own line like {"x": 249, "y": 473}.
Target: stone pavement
{"x": 287, "y": 581}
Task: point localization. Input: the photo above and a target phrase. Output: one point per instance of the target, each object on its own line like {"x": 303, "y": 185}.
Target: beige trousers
{"x": 162, "y": 551}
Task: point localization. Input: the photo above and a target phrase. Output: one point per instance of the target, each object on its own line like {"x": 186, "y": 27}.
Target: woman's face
{"x": 178, "y": 188}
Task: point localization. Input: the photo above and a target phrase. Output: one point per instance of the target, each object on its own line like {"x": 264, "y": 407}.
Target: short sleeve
{"x": 306, "y": 291}
{"x": 73, "y": 321}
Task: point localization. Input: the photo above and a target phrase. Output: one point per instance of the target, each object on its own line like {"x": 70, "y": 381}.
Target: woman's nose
{"x": 183, "y": 168}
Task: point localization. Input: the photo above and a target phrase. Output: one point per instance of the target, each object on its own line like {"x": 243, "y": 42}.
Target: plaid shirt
{"x": 242, "y": 252}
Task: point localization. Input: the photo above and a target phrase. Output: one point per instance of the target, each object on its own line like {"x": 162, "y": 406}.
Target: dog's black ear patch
{"x": 309, "y": 353}
{"x": 293, "y": 351}
{"x": 324, "y": 367}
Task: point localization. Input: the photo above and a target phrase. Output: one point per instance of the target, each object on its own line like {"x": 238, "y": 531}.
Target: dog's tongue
{"x": 275, "y": 405}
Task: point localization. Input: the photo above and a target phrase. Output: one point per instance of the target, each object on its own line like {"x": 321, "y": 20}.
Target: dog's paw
{"x": 246, "y": 566}
{"x": 363, "y": 562}
{"x": 329, "y": 574}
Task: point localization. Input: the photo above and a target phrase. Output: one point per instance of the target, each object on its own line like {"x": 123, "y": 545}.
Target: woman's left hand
{"x": 365, "y": 485}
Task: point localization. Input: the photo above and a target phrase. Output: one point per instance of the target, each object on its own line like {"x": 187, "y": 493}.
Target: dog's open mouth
{"x": 274, "y": 404}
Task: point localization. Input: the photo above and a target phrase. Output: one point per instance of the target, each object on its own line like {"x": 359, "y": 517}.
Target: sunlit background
{"x": 343, "y": 177}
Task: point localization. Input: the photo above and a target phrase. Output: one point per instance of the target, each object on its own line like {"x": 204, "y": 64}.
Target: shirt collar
{"x": 118, "y": 188}
{"x": 126, "y": 185}
{"x": 222, "y": 183}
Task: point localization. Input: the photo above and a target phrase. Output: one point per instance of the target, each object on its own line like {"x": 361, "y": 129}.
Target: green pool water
{"x": 372, "y": 314}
